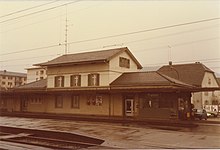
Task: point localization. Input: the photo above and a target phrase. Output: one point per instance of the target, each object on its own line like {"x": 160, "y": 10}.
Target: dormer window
{"x": 59, "y": 81}
{"x": 124, "y": 62}
{"x": 93, "y": 79}
{"x": 75, "y": 80}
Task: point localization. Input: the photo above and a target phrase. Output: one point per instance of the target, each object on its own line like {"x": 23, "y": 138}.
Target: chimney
{"x": 170, "y": 63}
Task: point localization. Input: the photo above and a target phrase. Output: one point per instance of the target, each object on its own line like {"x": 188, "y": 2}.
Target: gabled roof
{"x": 89, "y": 57}
{"x": 14, "y": 74}
{"x": 153, "y": 79}
{"x": 40, "y": 84}
{"x": 189, "y": 73}
{"x": 218, "y": 80}
{"x": 35, "y": 68}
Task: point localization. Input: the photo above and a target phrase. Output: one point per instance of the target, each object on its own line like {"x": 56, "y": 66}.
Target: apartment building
{"x": 11, "y": 79}
{"x": 35, "y": 74}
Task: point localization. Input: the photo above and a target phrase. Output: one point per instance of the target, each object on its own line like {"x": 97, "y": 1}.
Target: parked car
{"x": 200, "y": 114}
{"x": 212, "y": 113}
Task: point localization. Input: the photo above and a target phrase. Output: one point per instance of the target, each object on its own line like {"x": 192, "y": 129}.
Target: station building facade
{"x": 105, "y": 83}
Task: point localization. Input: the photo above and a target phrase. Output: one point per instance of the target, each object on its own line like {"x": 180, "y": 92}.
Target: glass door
{"x": 129, "y": 107}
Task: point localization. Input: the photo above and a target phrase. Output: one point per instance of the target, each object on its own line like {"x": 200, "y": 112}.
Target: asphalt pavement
{"x": 130, "y": 136}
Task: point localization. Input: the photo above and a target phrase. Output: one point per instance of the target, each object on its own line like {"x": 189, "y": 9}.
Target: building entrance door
{"x": 129, "y": 107}
{"x": 24, "y": 103}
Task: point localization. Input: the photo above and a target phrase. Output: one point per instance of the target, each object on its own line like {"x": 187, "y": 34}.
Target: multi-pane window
{"x": 75, "y": 101}
{"x": 42, "y": 72}
{"x": 36, "y": 100}
{"x": 10, "y": 78}
{"x": 59, "y": 101}
{"x": 10, "y": 84}
{"x": 150, "y": 101}
{"x": 93, "y": 79}
{"x": 59, "y": 81}
{"x": 124, "y": 62}
{"x": 75, "y": 80}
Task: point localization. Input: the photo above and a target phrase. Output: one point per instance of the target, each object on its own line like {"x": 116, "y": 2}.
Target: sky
{"x": 156, "y": 32}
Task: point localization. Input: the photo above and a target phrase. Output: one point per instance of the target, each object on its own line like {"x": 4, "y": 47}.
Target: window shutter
{"x": 89, "y": 79}
{"x": 55, "y": 81}
{"x": 128, "y": 63}
{"x": 71, "y": 80}
{"x": 120, "y": 62}
{"x": 97, "y": 79}
{"x": 62, "y": 85}
{"x": 79, "y": 80}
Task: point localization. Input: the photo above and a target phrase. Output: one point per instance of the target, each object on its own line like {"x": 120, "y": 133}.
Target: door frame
{"x": 129, "y": 113}
{"x": 23, "y": 103}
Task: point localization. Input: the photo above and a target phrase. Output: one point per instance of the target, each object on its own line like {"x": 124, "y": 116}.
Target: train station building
{"x": 107, "y": 83}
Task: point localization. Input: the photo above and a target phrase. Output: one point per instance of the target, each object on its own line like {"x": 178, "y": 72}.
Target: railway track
{"x": 48, "y": 139}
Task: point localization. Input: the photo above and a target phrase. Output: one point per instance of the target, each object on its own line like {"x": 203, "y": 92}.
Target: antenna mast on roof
{"x": 169, "y": 54}
{"x": 66, "y": 32}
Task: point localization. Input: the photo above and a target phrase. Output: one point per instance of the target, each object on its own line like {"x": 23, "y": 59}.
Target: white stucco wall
{"x": 108, "y": 71}
{"x": 32, "y": 74}
{"x": 201, "y": 98}
{"x": 209, "y": 76}
{"x": 116, "y": 70}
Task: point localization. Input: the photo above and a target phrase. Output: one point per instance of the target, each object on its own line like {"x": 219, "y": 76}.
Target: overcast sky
{"x": 28, "y": 25}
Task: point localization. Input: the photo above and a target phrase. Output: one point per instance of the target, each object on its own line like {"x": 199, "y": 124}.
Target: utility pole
{"x": 66, "y": 33}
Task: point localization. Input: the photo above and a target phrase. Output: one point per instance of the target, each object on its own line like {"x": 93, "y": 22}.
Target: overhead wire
{"x": 48, "y": 19}
{"x": 38, "y": 11}
{"x": 178, "y": 44}
{"x": 141, "y": 31}
{"x": 172, "y": 34}
{"x": 19, "y": 11}
{"x": 32, "y": 49}
{"x": 185, "y": 61}
{"x": 8, "y": 60}
{"x": 113, "y": 36}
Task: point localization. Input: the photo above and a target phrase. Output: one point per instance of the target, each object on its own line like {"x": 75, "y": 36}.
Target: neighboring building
{"x": 217, "y": 93}
{"x": 104, "y": 83}
{"x": 11, "y": 79}
{"x": 198, "y": 75}
{"x": 35, "y": 74}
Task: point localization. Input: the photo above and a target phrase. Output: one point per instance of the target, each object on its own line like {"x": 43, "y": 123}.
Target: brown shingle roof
{"x": 89, "y": 57}
{"x": 189, "y": 73}
{"x": 218, "y": 80}
{"x": 153, "y": 78}
{"x": 14, "y": 74}
{"x": 40, "y": 84}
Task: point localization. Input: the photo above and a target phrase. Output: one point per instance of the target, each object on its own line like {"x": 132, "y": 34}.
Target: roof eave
{"x": 72, "y": 63}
